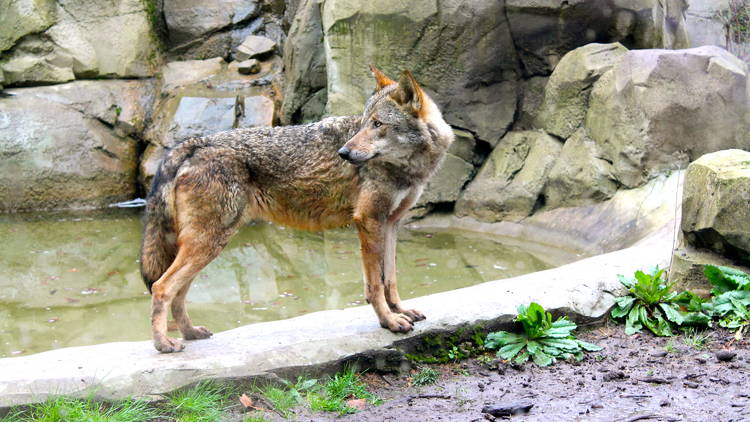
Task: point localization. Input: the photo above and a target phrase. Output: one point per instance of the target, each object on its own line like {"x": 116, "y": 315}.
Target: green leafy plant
{"x": 652, "y": 304}
{"x": 542, "y": 340}
{"x": 731, "y": 297}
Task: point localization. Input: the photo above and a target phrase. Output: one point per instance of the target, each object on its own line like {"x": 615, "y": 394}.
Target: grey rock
{"x": 566, "y": 95}
{"x": 248, "y": 67}
{"x": 508, "y": 409}
{"x": 530, "y": 102}
{"x": 464, "y": 146}
{"x": 656, "y": 110}
{"x": 579, "y": 176}
{"x": 198, "y": 116}
{"x": 304, "y": 66}
{"x": 725, "y": 355}
{"x": 71, "y": 145}
{"x": 715, "y": 214}
{"x": 23, "y": 17}
{"x": 66, "y": 42}
{"x": 182, "y": 73}
{"x": 254, "y": 46}
{"x": 543, "y": 31}
{"x": 312, "y": 110}
{"x": 510, "y": 182}
{"x": 34, "y": 60}
{"x": 446, "y": 183}
{"x": 188, "y": 20}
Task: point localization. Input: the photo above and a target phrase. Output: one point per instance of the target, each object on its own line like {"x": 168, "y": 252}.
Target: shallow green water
{"x": 72, "y": 279}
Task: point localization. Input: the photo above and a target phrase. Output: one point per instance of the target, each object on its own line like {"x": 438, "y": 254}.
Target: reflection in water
{"x": 71, "y": 280}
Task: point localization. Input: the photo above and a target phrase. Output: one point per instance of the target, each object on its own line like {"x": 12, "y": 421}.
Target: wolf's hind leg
{"x": 206, "y": 219}
{"x": 184, "y": 324}
{"x": 191, "y": 258}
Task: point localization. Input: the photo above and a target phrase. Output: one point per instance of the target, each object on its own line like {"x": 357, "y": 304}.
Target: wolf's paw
{"x": 168, "y": 345}
{"x": 197, "y": 333}
{"x": 398, "y": 323}
{"x": 413, "y": 314}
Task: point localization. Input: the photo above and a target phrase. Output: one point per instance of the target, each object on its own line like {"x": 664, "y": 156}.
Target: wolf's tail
{"x": 159, "y": 247}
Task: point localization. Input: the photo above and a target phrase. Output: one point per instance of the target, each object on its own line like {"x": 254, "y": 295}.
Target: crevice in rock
{"x": 106, "y": 152}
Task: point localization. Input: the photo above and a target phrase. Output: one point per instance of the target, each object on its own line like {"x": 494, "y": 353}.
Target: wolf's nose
{"x": 344, "y": 153}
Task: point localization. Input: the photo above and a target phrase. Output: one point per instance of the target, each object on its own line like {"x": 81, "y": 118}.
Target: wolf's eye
{"x": 376, "y": 123}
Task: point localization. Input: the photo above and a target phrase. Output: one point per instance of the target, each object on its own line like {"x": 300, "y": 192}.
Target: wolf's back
{"x": 159, "y": 248}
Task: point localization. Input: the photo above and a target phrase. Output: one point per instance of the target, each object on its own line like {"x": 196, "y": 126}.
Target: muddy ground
{"x": 633, "y": 378}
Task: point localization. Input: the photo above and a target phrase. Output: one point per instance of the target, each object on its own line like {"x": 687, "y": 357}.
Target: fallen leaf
{"x": 246, "y": 401}
{"x": 358, "y": 404}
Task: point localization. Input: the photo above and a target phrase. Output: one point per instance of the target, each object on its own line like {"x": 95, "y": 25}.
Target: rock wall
{"x": 87, "y": 142}
{"x": 622, "y": 117}
{"x": 576, "y": 127}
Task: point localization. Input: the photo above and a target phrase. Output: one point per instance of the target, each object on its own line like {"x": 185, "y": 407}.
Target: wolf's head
{"x": 400, "y": 124}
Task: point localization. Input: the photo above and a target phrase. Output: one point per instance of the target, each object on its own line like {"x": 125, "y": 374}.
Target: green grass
{"x": 62, "y": 409}
{"x": 283, "y": 401}
{"x": 697, "y": 339}
{"x": 203, "y": 403}
{"x": 332, "y": 396}
{"x": 206, "y": 402}
{"x": 425, "y": 376}
{"x": 670, "y": 347}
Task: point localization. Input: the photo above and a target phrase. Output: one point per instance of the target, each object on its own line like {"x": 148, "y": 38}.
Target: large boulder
{"x": 188, "y": 20}
{"x": 71, "y": 145}
{"x": 446, "y": 183}
{"x": 57, "y": 42}
{"x": 566, "y": 96}
{"x": 715, "y": 211}
{"x": 461, "y": 51}
{"x": 510, "y": 183}
{"x": 655, "y": 110}
{"x": 304, "y": 66}
{"x": 579, "y": 176}
{"x": 19, "y": 18}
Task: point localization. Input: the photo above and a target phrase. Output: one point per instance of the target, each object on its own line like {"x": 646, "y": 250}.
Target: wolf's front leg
{"x": 372, "y": 237}
{"x": 391, "y": 286}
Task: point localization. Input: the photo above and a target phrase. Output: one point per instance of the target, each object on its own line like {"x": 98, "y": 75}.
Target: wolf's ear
{"x": 409, "y": 93}
{"x": 381, "y": 80}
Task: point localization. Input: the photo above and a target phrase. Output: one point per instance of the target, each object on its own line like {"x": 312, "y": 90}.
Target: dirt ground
{"x": 633, "y": 378}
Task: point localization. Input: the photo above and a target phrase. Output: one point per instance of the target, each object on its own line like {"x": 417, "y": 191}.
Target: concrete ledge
{"x": 134, "y": 369}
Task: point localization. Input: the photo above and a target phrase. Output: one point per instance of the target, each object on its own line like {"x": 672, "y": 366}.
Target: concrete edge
{"x": 311, "y": 343}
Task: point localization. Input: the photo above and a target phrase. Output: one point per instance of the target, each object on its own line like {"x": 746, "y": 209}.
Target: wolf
{"x": 367, "y": 170}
